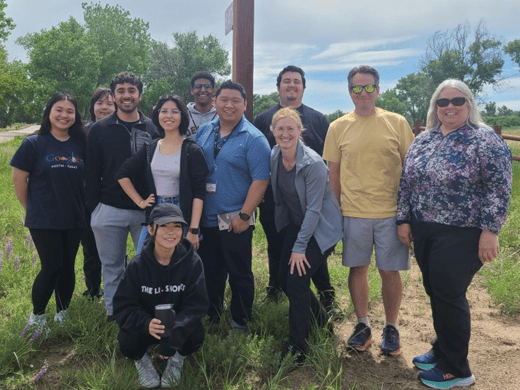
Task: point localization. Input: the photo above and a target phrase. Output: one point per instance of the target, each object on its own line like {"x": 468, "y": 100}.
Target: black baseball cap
{"x": 165, "y": 213}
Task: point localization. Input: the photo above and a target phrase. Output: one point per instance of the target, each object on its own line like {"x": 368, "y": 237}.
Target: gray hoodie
{"x": 197, "y": 119}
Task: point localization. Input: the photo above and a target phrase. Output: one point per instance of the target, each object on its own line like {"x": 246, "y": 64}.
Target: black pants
{"x": 275, "y": 240}
{"x": 448, "y": 259}
{"x": 134, "y": 347}
{"x": 303, "y": 305}
{"x": 57, "y": 250}
{"x": 91, "y": 261}
{"x": 226, "y": 253}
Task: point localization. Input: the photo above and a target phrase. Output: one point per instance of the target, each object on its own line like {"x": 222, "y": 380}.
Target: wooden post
{"x": 417, "y": 128}
{"x": 243, "y": 39}
{"x": 498, "y": 129}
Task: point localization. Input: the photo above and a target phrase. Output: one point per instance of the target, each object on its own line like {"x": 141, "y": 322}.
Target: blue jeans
{"x": 144, "y": 232}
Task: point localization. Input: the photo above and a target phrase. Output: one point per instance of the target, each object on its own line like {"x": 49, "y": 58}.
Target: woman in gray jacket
{"x": 310, "y": 215}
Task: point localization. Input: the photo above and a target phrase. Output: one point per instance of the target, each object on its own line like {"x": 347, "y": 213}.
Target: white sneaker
{"x": 38, "y": 323}
{"x": 172, "y": 374}
{"x": 148, "y": 375}
{"x": 61, "y": 317}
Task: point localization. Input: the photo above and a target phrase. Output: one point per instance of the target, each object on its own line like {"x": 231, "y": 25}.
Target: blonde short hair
{"x": 284, "y": 113}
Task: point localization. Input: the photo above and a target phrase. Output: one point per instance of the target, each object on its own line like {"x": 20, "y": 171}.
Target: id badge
{"x": 211, "y": 188}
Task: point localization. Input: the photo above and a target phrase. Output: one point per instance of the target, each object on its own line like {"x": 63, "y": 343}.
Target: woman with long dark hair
{"x": 49, "y": 183}
{"x": 173, "y": 166}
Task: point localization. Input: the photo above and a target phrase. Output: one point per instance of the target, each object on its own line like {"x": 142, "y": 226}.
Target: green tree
{"x": 505, "y": 111}
{"x": 472, "y": 56}
{"x": 63, "y": 59}
{"x": 335, "y": 115}
{"x": 6, "y": 24}
{"x": 173, "y": 67}
{"x": 415, "y": 90}
{"x": 389, "y": 100}
{"x": 513, "y": 49}
{"x": 20, "y": 95}
{"x": 121, "y": 42}
{"x": 490, "y": 109}
{"x": 263, "y": 102}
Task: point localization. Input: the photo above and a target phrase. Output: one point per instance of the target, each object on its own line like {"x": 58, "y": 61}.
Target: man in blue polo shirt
{"x": 238, "y": 156}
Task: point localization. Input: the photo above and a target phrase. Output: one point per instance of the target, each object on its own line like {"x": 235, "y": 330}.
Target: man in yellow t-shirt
{"x": 365, "y": 150}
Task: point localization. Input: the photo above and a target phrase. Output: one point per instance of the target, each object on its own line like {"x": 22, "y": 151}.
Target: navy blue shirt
{"x": 56, "y": 196}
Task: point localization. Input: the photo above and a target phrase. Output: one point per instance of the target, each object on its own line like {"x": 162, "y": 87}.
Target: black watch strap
{"x": 194, "y": 230}
{"x": 244, "y": 216}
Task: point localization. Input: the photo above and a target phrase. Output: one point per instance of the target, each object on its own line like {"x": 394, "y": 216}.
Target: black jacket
{"x": 194, "y": 171}
{"x": 146, "y": 283}
{"x": 108, "y": 147}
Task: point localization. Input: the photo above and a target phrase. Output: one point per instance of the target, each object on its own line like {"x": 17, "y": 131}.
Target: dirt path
{"x": 9, "y": 135}
{"x": 494, "y": 353}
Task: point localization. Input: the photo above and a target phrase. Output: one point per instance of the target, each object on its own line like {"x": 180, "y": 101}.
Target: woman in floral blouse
{"x": 453, "y": 199}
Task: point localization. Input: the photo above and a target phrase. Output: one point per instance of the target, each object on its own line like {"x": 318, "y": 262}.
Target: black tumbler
{"x": 166, "y": 314}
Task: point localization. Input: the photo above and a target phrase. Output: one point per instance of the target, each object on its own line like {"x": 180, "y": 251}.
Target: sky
{"x": 325, "y": 38}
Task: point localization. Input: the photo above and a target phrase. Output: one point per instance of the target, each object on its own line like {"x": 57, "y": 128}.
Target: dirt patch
{"x": 494, "y": 351}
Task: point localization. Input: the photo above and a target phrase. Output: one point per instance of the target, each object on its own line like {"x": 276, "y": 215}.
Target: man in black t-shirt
{"x": 110, "y": 142}
{"x": 291, "y": 85}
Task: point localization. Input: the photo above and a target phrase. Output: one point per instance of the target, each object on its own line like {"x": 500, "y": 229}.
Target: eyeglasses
{"x": 457, "y": 102}
{"x": 359, "y": 88}
{"x": 173, "y": 111}
{"x": 207, "y": 87}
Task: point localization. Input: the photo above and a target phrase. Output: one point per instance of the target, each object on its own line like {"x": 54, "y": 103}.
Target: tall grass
{"x": 85, "y": 354}
{"x": 502, "y": 278}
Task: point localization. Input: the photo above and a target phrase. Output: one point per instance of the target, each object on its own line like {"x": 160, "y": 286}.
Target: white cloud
{"x": 344, "y": 48}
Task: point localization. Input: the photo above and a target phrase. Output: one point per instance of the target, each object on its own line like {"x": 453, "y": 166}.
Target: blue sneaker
{"x": 439, "y": 379}
{"x": 426, "y": 361}
{"x": 361, "y": 338}
{"x": 391, "y": 345}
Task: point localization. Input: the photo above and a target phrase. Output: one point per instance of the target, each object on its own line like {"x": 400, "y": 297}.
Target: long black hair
{"x": 185, "y": 119}
{"x": 76, "y": 131}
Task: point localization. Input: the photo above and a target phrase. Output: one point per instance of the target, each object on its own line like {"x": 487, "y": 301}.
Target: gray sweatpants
{"x": 111, "y": 227}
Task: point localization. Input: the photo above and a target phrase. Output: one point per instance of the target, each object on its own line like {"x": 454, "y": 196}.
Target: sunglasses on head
{"x": 457, "y": 102}
{"x": 359, "y": 88}
{"x": 207, "y": 87}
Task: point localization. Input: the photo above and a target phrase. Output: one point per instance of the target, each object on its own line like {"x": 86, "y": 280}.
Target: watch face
{"x": 244, "y": 216}
{"x": 194, "y": 231}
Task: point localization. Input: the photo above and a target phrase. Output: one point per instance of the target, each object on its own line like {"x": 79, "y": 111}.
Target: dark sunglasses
{"x": 207, "y": 87}
{"x": 457, "y": 102}
{"x": 359, "y": 88}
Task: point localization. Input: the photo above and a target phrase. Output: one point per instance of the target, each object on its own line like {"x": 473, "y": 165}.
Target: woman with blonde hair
{"x": 309, "y": 216}
{"x": 453, "y": 199}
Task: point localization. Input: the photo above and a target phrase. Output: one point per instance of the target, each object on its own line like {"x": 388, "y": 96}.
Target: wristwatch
{"x": 244, "y": 216}
{"x": 194, "y": 230}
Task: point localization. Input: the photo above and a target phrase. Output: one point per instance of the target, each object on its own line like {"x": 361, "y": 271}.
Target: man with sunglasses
{"x": 291, "y": 85}
{"x": 202, "y": 110}
{"x": 365, "y": 150}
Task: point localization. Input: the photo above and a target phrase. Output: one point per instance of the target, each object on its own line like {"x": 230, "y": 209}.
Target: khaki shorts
{"x": 360, "y": 235}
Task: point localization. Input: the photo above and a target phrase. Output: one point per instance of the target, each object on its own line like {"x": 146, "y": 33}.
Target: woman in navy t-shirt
{"x": 49, "y": 183}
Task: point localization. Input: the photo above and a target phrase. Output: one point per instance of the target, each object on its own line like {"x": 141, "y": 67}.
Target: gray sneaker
{"x": 172, "y": 373}
{"x": 148, "y": 375}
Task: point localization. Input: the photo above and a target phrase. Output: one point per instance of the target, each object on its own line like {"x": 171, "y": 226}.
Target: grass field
{"x": 85, "y": 354}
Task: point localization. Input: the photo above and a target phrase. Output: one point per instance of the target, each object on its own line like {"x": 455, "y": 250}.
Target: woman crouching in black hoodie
{"x": 167, "y": 271}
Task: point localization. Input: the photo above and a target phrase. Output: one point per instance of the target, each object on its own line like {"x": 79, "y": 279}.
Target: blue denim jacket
{"x": 323, "y": 219}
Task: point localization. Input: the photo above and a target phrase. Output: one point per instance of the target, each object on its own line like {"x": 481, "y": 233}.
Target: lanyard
{"x": 216, "y": 148}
